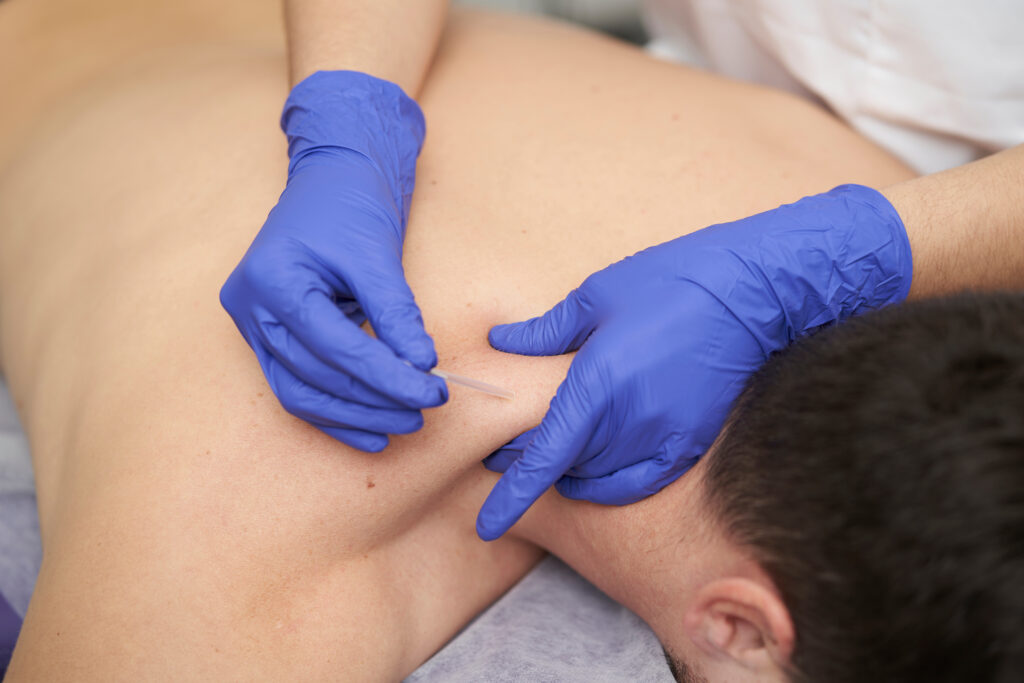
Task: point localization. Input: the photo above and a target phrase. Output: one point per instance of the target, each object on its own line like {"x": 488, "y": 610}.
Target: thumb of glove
{"x": 501, "y": 459}
{"x": 564, "y": 328}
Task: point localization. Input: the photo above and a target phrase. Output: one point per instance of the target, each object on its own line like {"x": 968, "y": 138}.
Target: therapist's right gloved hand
{"x": 667, "y": 338}
{"x": 330, "y": 256}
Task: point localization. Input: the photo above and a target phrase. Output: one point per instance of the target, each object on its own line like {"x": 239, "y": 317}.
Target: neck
{"x": 651, "y": 556}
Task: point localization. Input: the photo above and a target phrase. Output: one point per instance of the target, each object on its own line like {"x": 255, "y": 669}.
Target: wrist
{"x": 855, "y": 252}
{"x": 334, "y": 113}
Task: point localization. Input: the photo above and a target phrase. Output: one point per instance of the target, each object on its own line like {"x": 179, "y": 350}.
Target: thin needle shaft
{"x": 473, "y": 384}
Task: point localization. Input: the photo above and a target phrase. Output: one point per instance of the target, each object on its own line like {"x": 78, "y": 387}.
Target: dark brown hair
{"x": 876, "y": 471}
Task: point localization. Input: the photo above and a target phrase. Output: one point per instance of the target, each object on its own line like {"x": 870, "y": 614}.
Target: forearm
{"x": 391, "y": 39}
{"x": 966, "y": 225}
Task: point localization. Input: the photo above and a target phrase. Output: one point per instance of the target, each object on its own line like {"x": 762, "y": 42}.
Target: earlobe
{"x": 744, "y": 621}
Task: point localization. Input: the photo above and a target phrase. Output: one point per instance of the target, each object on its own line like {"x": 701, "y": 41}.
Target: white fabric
{"x": 937, "y": 82}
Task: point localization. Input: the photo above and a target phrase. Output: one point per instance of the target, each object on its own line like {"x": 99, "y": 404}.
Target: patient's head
{"x": 875, "y": 472}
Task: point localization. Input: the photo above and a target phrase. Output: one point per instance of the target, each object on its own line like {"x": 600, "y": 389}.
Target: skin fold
{"x": 189, "y": 523}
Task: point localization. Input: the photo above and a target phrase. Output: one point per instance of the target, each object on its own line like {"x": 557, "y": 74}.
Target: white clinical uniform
{"x": 938, "y": 83}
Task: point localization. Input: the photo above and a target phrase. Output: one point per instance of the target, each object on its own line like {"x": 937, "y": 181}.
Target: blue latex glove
{"x": 668, "y": 337}
{"x": 330, "y": 256}
{"x": 10, "y": 626}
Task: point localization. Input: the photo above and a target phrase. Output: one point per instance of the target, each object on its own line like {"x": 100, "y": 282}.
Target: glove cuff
{"x": 861, "y": 259}
{"x": 332, "y": 111}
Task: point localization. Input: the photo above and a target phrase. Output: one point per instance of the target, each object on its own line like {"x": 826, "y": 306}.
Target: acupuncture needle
{"x": 473, "y": 384}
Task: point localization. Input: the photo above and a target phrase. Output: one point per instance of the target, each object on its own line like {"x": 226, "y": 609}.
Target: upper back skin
{"x": 137, "y": 164}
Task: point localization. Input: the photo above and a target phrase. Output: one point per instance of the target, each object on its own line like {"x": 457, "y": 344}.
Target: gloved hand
{"x": 668, "y": 337}
{"x": 330, "y": 256}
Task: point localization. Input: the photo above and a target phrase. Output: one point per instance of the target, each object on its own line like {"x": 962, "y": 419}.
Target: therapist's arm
{"x": 966, "y": 225}
{"x": 393, "y": 40}
{"x": 329, "y": 255}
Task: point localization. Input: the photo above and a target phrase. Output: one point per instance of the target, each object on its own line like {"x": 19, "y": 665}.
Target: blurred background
{"x": 618, "y": 17}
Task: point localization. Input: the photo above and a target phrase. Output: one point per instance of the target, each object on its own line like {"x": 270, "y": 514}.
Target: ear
{"x": 742, "y": 621}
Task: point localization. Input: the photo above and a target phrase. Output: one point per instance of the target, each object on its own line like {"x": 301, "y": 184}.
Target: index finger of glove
{"x": 337, "y": 341}
{"x": 391, "y": 309}
{"x": 559, "y": 442}
{"x": 293, "y": 355}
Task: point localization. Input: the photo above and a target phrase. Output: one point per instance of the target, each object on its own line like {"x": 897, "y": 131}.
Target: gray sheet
{"x": 552, "y": 626}
{"x": 20, "y": 548}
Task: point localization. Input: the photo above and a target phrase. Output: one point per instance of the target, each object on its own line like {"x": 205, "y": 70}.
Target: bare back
{"x": 189, "y": 523}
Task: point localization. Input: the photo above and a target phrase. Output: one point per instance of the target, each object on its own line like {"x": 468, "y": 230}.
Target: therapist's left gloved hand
{"x": 668, "y": 337}
{"x": 330, "y": 256}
